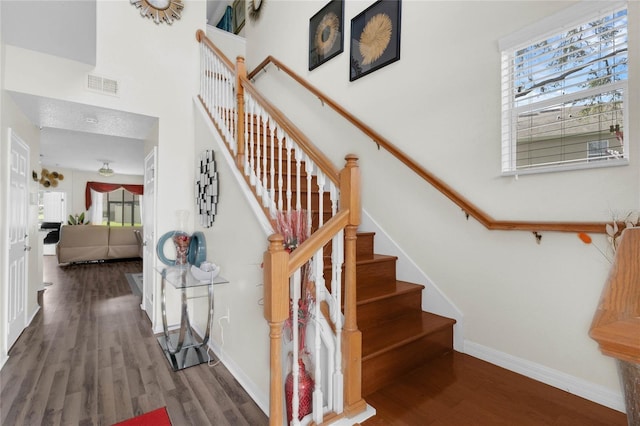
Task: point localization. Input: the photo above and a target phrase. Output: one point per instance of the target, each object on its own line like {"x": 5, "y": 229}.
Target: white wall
{"x": 156, "y": 66}
{"x": 236, "y": 242}
{"x": 526, "y": 303}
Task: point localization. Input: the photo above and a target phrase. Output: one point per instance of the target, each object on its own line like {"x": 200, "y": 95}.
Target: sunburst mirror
{"x": 160, "y": 10}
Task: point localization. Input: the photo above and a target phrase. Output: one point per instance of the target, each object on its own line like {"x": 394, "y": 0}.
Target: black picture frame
{"x": 365, "y": 58}
{"x": 239, "y": 8}
{"x": 326, "y": 33}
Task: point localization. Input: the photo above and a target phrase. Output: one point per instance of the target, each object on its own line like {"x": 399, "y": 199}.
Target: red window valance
{"x": 108, "y": 187}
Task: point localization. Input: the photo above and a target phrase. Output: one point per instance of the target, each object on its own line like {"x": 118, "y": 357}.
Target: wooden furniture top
{"x": 616, "y": 323}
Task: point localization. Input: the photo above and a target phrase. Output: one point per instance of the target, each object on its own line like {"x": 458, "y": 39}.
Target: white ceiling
{"x": 68, "y": 29}
{"x": 82, "y": 137}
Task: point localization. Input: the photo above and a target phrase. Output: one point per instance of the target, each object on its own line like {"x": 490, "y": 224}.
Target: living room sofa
{"x": 85, "y": 243}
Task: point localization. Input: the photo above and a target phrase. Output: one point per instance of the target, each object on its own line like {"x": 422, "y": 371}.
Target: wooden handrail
{"x": 317, "y": 240}
{"x": 616, "y": 323}
{"x": 469, "y": 208}
{"x": 287, "y": 126}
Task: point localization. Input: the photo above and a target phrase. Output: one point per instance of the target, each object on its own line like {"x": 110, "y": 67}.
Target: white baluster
{"x": 258, "y": 149}
{"x": 308, "y": 166}
{"x": 272, "y": 169}
{"x": 289, "y": 146}
{"x": 265, "y": 144}
{"x": 318, "y": 264}
{"x": 337, "y": 258}
{"x": 298, "y": 153}
{"x": 234, "y": 129}
{"x": 295, "y": 298}
{"x": 320, "y": 177}
{"x": 247, "y": 106}
{"x": 280, "y": 173}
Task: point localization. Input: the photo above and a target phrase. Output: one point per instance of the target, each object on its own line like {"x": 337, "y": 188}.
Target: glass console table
{"x": 181, "y": 348}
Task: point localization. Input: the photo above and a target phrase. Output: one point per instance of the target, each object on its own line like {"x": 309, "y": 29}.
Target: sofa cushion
{"x": 123, "y": 242}
{"x": 82, "y": 243}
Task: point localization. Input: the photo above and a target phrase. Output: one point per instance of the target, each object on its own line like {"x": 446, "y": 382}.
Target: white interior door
{"x": 54, "y": 206}
{"x": 149, "y": 224}
{"x": 18, "y": 239}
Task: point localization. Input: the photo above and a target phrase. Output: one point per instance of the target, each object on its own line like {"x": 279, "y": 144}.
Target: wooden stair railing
{"x": 469, "y": 208}
{"x": 258, "y": 135}
{"x": 616, "y": 322}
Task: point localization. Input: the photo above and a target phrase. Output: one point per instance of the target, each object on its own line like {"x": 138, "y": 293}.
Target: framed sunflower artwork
{"x": 375, "y": 38}
{"x": 326, "y": 35}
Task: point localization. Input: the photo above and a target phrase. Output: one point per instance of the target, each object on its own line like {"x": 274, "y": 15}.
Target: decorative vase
{"x": 305, "y": 392}
{"x": 181, "y": 237}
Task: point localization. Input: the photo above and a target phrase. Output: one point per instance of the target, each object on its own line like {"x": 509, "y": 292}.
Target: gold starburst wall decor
{"x": 159, "y": 10}
{"x": 375, "y": 38}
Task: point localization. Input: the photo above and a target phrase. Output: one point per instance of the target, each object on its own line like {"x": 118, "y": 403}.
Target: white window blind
{"x": 564, "y": 94}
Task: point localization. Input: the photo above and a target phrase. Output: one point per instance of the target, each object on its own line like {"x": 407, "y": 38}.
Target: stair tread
{"x": 377, "y": 258}
{"x": 374, "y": 293}
{"x": 402, "y": 330}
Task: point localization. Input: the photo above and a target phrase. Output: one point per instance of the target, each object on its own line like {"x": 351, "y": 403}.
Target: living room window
{"x": 121, "y": 208}
{"x": 564, "y": 92}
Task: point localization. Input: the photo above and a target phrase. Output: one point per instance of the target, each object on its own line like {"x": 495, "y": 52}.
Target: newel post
{"x": 351, "y": 336}
{"x": 276, "y": 311}
{"x": 241, "y": 71}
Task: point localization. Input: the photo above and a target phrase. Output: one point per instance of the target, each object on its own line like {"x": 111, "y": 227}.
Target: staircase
{"x": 383, "y": 333}
{"x": 397, "y": 336}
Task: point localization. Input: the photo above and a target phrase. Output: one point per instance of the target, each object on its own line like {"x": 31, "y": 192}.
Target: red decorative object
{"x": 305, "y": 392}
{"x": 157, "y": 417}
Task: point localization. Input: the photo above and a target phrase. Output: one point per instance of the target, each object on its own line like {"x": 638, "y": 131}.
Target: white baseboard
{"x": 557, "y": 379}
{"x": 32, "y": 316}
{"x": 261, "y": 399}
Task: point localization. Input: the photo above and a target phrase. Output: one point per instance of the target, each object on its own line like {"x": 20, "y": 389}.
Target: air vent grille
{"x": 102, "y": 84}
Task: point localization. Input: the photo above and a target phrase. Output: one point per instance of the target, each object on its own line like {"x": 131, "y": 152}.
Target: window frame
{"x": 564, "y": 20}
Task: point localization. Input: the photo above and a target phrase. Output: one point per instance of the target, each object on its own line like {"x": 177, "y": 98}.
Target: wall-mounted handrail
{"x": 468, "y": 207}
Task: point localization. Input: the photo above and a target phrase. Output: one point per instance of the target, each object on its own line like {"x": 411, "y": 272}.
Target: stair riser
{"x": 376, "y": 273}
{"x": 364, "y": 247}
{"x": 384, "y": 368}
{"x": 374, "y": 313}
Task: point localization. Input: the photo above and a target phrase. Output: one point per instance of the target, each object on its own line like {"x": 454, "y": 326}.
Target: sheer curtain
{"x": 95, "y": 211}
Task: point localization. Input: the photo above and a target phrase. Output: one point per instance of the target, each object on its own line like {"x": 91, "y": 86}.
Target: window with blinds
{"x": 564, "y": 97}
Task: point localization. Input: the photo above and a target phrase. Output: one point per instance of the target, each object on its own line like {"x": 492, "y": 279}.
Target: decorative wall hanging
{"x": 375, "y": 38}
{"x": 160, "y": 10}
{"x": 255, "y": 6}
{"x": 207, "y": 189}
{"x": 238, "y": 15}
{"x": 326, "y": 35}
{"x": 47, "y": 179}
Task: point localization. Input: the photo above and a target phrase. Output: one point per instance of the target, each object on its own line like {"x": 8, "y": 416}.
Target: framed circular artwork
{"x": 326, "y": 36}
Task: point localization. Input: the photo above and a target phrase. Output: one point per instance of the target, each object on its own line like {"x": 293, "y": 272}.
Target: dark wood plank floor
{"x": 459, "y": 390}
{"x": 90, "y": 358}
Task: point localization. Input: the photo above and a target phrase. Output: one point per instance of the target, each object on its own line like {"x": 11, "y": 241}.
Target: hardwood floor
{"x": 90, "y": 358}
{"x": 459, "y": 390}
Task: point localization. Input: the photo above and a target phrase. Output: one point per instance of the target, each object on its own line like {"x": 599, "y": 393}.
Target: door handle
{"x": 27, "y": 248}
